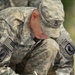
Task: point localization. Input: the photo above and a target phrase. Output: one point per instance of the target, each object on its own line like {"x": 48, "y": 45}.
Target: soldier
{"x": 66, "y": 58}
{"x": 19, "y": 26}
{"x": 64, "y": 63}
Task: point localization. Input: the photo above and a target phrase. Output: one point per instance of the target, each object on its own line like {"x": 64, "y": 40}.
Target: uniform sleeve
{"x": 5, "y": 52}
{"x": 66, "y": 43}
{"x": 43, "y": 57}
{"x": 67, "y": 49}
{"x": 8, "y": 30}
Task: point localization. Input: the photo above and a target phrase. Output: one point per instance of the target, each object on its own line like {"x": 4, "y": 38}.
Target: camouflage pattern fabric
{"x": 66, "y": 61}
{"x": 4, "y": 4}
{"x": 36, "y": 3}
{"x": 18, "y": 3}
{"x": 14, "y": 23}
{"x": 65, "y": 65}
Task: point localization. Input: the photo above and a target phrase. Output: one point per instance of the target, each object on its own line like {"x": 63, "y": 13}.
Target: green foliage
{"x": 69, "y": 7}
{"x": 67, "y": 4}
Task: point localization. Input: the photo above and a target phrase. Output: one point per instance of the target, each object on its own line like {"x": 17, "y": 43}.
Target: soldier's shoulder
{"x": 15, "y": 11}
{"x": 9, "y": 11}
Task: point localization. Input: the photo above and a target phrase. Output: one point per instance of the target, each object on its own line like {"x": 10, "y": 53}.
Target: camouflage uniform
{"x": 68, "y": 59}
{"x": 14, "y": 24}
{"x": 64, "y": 60}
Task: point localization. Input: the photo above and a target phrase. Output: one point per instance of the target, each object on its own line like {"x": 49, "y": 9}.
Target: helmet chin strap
{"x": 36, "y": 27}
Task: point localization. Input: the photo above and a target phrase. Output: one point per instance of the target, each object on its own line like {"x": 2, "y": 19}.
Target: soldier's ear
{"x": 36, "y": 26}
{"x": 35, "y": 14}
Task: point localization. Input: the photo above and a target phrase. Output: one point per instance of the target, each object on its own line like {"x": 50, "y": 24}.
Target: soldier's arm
{"x": 65, "y": 42}
{"x": 6, "y": 48}
{"x": 5, "y": 55}
{"x": 67, "y": 49}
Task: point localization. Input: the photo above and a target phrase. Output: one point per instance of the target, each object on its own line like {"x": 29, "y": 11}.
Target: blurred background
{"x": 69, "y": 24}
{"x": 69, "y": 7}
